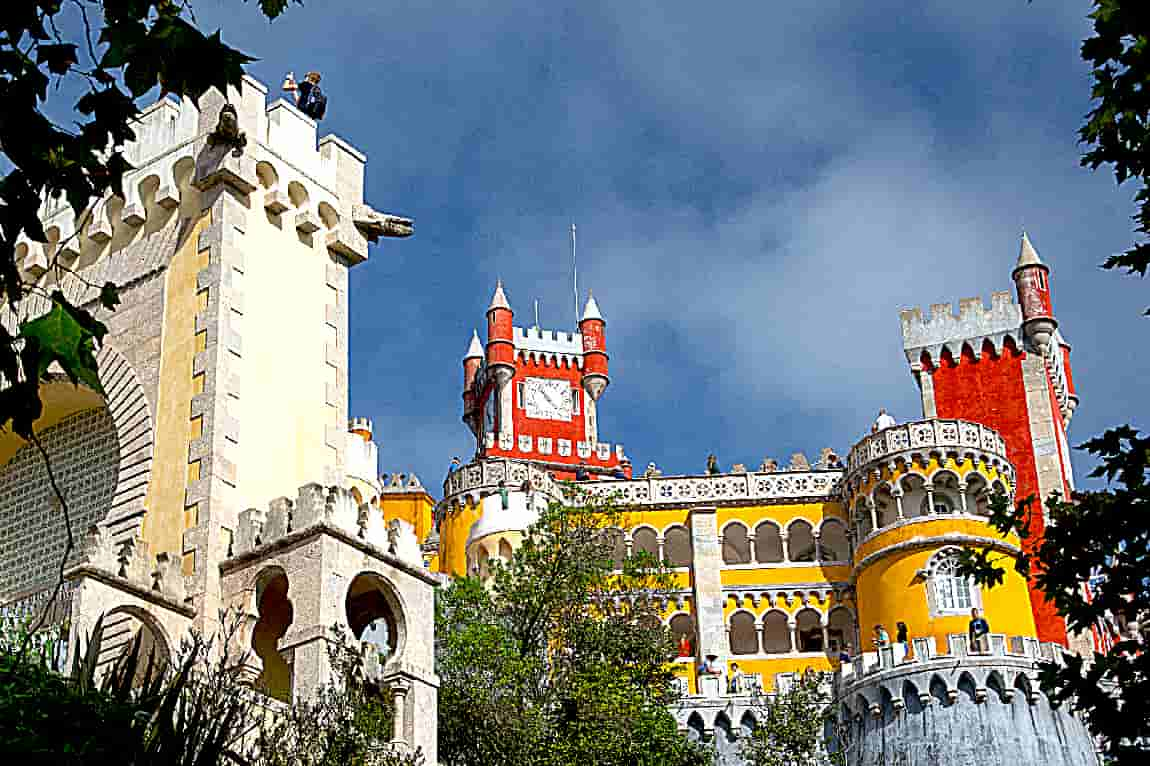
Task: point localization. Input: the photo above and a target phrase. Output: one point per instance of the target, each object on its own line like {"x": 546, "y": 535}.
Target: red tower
{"x": 534, "y": 394}
{"x": 1008, "y": 368}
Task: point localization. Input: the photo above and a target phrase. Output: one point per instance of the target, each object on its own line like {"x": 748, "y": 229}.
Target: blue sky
{"x": 759, "y": 188}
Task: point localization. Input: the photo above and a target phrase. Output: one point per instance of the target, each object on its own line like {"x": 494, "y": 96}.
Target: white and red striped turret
{"x": 500, "y": 338}
{"x": 591, "y": 327}
{"x": 1032, "y": 280}
{"x": 471, "y": 362}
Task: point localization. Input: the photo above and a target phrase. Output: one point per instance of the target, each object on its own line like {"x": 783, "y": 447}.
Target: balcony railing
{"x": 925, "y": 436}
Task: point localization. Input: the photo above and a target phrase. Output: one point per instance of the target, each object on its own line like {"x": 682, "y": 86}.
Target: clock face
{"x": 545, "y": 399}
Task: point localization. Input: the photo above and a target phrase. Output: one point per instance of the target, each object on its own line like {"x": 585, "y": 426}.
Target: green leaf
{"x": 66, "y": 336}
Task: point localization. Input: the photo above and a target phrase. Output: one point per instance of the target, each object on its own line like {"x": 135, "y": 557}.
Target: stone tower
{"x": 225, "y": 370}
{"x": 1008, "y": 368}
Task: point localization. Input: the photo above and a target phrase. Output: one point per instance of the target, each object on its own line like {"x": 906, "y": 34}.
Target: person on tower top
{"x": 882, "y": 421}
{"x": 712, "y": 464}
{"x": 309, "y": 96}
{"x": 581, "y": 473}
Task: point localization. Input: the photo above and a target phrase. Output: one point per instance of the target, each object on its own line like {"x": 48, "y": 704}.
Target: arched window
{"x": 943, "y": 504}
{"x": 949, "y": 592}
{"x": 744, "y": 637}
{"x": 768, "y": 543}
{"x": 644, "y": 539}
{"x": 682, "y": 626}
{"x": 677, "y": 547}
{"x": 736, "y": 545}
{"x": 800, "y": 541}
{"x": 776, "y": 633}
{"x": 833, "y": 541}
{"x": 505, "y": 550}
{"x": 810, "y": 631}
{"x": 840, "y": 629}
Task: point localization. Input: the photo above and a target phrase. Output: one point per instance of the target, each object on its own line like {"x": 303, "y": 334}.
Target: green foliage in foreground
{"x": 791, "y": 727}
{"x": 192, "y": 712}
{"x": 559, "y": 661}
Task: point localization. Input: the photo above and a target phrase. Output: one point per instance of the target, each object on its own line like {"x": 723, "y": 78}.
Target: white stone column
{"x": 898, "y": 504}
{"x": 707, "y": 587}
{"x": 399, "y": 691}
{"x": 926, "y": 388}
{"x": 793, "y": 629}
{"x": 930, "y": 498}
{"x": 817, "y": 535}
{"x": 962, "y": 496}
{"x": 783, "y": 536}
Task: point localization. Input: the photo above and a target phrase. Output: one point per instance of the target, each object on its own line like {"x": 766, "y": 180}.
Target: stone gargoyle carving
{"x": 228, "y": 131}
{"x": 374, "y": 224}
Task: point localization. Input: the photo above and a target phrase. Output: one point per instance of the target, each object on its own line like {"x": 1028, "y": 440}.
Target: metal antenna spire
{"x": 536, "y": 313}
{"x": 575, "y": 275}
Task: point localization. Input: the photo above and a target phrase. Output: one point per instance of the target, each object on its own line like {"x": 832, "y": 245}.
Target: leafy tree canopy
{"x": 559, "y": 659}
{"x": 1117, "y": 130}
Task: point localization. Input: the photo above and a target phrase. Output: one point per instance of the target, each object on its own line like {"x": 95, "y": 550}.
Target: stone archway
{"x": 375, "y": 615}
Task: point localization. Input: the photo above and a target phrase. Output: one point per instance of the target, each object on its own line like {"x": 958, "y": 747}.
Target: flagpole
{"x": 575, "y": 275}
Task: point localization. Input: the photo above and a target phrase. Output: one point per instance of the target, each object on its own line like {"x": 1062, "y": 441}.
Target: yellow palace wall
{"x": 892, "y": 588}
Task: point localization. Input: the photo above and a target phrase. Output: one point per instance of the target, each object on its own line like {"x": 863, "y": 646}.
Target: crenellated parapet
{"x": 316, "y": 187}
{"x": 890, "y": 706}
{"x": 973, "y": 325}
{"x": 129, "y": 564}
{"x": 316, "y": 508}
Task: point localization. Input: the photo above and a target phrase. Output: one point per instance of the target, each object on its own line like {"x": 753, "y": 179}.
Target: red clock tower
{"x": 532, "y": 394}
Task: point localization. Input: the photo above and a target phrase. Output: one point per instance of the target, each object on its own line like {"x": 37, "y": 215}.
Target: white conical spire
{"x": 591, "y": 310}
{"x": 499, "y": 300}
{"x": 1027, "y": 255}
{"x": 475, "y": 350}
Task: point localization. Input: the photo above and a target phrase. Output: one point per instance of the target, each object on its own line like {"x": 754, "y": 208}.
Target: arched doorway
{"x": 276, "y": 615}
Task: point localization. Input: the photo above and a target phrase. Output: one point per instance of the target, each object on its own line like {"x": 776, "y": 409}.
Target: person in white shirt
{"x": 882, "y": 421}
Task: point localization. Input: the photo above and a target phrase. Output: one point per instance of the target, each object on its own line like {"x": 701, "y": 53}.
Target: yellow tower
{"x": 918, "y": 494}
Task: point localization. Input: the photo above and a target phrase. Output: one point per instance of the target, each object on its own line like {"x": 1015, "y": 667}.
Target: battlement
{"x": 398, "y": 483}
{"x": 890, "y": 708}
{"x": 130, "y": 564}
{"x": 317, "y": 187}
{"x": 562, "y": 344}
{"x": 973, "y": 324}
{"x": 360, "y": 424}
{"x": 317, "y": 507}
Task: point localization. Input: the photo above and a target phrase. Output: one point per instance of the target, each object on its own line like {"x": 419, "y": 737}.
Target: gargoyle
{"x": 374, "y": 224}
{"x": 228, "y": 131}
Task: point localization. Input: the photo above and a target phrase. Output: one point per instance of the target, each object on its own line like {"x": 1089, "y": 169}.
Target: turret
{"x": 471, "y": 361}
{"x": 500, "y": 338}
{"x": 1032, "y": 280}
{"x": 592, "y": 327}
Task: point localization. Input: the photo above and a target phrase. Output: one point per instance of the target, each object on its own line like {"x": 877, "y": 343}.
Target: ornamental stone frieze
{"x": 923, "y": 438}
